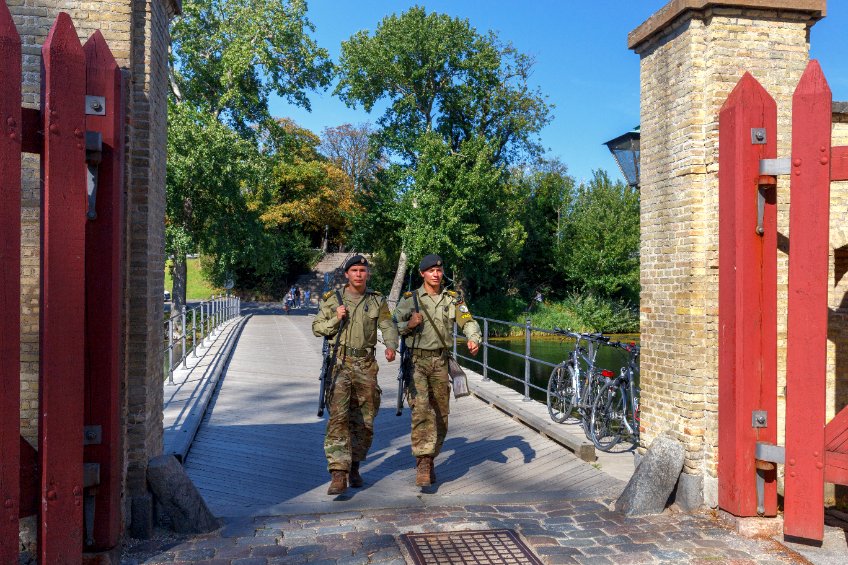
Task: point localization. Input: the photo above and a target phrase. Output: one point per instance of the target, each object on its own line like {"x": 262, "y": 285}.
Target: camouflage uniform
{"x": 356, "y": 394}
{"x": 429, "y": 392}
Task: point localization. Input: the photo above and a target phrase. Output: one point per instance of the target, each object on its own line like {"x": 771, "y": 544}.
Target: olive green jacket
{"x": 444, "y": 308}
{"x": 365, "y": 314}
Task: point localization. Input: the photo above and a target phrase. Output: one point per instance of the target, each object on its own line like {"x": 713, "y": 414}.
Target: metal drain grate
{"x": 491, "y": 547}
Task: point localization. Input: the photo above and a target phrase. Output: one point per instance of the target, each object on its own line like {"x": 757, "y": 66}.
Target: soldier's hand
{"x": 414, "y": 320}
{"x": 341, "y": 312}
{"x": 473, "y": 347}
{"x": 390, "y": 354}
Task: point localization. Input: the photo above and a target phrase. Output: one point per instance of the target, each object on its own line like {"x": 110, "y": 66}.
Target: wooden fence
{"x": 816, "y": 451}
{"x": 75, "y": 486}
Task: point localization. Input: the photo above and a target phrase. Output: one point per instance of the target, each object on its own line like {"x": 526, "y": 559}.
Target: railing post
{"x": 526, "y": 360}
{"x": 214, "y": 321}
{"x": 194, "y": 332}
{"x": 185, "y": 341}
{"x": 171, "y": 350}
{"x": 486, "y": 349}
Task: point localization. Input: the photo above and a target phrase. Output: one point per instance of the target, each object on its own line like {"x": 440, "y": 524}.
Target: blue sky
{"x": 582, "y": 62}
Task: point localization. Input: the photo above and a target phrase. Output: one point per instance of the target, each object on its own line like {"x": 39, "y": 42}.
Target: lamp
{"x": 625, "y": 151}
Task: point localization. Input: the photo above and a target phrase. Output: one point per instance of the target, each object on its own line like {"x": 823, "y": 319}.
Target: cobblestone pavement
{"x": 585, "y": 532}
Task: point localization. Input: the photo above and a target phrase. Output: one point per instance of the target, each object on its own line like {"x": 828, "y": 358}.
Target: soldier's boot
{"x": 354, "y": 478}
{"x": 423, "y": 469}
{"x": 339, "y": 483}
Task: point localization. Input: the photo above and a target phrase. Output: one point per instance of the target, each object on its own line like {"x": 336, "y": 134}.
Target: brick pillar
{"x": 137, "y": 34}
{"x": 692, "y": 53}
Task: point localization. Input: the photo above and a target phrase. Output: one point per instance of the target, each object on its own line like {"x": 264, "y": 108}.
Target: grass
{"x": 197, "y": 287}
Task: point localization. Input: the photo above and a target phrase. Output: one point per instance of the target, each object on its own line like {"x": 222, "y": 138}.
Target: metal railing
{"x": 189, "y": 329}
{"x": 486, "y": 346}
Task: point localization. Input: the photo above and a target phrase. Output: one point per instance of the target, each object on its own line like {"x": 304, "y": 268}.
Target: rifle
{"x": 326, "y": 378}
{"x": 405, "y": 370}
{"x": 404, "y": 373}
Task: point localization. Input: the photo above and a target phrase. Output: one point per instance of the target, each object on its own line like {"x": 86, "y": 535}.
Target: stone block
{"x": 141, "y": 516}
{"x": 180, "y": 500}
{"x": 689, "y": 493}
{"x": 652, "y": 483}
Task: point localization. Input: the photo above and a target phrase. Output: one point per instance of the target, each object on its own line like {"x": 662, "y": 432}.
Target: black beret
{"x": 430, "y": 261}
{"x": 355, "y": 260}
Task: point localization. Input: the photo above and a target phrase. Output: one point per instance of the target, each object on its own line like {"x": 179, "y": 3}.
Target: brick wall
{"x": 690, "y": 61}
{"x": 137, "y": 34}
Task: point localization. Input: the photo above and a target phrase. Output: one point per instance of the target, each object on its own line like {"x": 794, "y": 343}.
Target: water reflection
{"x": 552, "y": 350}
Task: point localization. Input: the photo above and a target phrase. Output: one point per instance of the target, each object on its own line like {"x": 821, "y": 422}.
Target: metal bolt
{"x": 760, "y": 419}
{"x": 95, "y": 105}
{"x": 90, "y": 435}
{"x": 760, "y": 135}
{"x": 51, "y": 494}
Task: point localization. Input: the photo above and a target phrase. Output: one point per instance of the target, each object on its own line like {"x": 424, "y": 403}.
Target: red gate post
{"x": 103, "y": 237}
{"x": 806, "y": 344}
{"x": 747, "y": 297}
{"x": 10, "y": 281}
{"x": 62, "y": 322}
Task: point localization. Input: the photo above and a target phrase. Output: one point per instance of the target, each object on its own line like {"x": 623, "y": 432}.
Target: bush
{"x": 583, "y": 313}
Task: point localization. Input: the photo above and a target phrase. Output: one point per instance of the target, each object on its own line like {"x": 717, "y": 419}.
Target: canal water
{"x": 547, "y": 348}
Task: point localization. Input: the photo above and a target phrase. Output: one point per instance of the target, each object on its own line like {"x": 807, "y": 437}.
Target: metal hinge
{"x": 92, "y": 435}
{"x": 782, "y": 166}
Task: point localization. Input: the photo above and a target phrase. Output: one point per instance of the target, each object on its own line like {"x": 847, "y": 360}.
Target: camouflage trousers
{"x": 429, "y": 397}
{"x": 353, "y": 406}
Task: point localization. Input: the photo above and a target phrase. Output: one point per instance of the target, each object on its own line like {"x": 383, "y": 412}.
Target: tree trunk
{"x": 178, "y": 275}
{"x": 400, "y": 274}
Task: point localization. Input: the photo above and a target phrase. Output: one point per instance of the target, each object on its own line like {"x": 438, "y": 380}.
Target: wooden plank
{"x": 62, "y": 323}
{"x": 806, "y": 349}
{"x": 839, "y": 163}
{"x": 10, "y": 289}
{"x": 836, "y": 468}
{"x": 747, "y": 297}
{"x": 103, "y": 292}
{"x": 836, "y": 432}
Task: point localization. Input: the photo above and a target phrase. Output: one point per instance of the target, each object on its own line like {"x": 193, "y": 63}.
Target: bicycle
{"x": 615, "y": 410}
{"x": 574, "y": 383}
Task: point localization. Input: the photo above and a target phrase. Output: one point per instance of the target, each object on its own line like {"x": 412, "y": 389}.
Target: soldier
{"x": 355, "y": 395}
{"x": 425, "y": 318}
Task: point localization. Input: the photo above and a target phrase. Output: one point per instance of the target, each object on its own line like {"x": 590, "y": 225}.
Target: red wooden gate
{"x": 815, "y": 451}
{"x": 79, "y": 135}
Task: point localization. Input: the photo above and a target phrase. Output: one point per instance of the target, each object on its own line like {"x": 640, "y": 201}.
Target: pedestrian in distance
{"x": 307, "y": 298}
{"x": 425, "y": 319}
{"x": 354, "y": 397}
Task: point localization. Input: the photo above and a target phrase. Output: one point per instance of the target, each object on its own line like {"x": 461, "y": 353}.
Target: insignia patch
{"x": 463, "y": 308}
{"x": 464, "y": 316}
{"x": 327, "y": 295}
{"x": 386, "y": 315}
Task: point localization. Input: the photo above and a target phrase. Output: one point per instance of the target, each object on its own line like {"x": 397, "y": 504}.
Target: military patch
{"x": 463, "y": 308}
{"x": 385, "y": 315}
{"x": 464, "y": 316}
{"x": 327, "y": 295}
{"x": 407, "y": 294}
{"x": 451, "y": 293}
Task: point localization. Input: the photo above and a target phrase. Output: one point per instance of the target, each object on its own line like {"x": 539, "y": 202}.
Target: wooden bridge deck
{"x": 259, "y": 448}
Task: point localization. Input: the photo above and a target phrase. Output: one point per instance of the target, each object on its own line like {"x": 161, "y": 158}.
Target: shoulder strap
{"x": 415, "y": 301}
{"x": 438, "y": 335}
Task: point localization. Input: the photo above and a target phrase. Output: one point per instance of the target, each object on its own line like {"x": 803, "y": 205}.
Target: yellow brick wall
{"x": 687, "y": 71}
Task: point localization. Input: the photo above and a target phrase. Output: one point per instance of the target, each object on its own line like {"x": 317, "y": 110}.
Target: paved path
{"x": 259, "y": 449}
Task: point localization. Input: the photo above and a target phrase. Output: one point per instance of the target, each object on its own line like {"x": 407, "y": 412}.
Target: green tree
{"x": 228, "y": 57}
{"x": 441, "y": 77}
{"x": 600, "y": 239}
{"x": 546, "y": 191}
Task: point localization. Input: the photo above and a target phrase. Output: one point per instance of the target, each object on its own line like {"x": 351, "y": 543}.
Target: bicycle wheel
{"x": 560, "y": 393}
{"x": 606, "y": 422}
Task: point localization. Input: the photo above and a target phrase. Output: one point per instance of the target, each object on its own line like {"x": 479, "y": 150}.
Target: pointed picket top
{"x": 97, "y": 52}
{"x": 813, "y": 81}
{"x": 748, "y": 90}
{"x": 8, "y": 31}
{"x": 62, "y": 41}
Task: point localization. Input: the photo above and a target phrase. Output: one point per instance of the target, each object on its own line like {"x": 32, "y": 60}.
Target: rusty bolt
{"x": 51, "y": 494}
{"x": 77, "y": 491}
{"x": 54, "y": 128}
{"x": 11, "y": 122}
{"x": 797, "y": 162}
{"x": 823, "y": 160}
{"x": 792, "y": 462}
